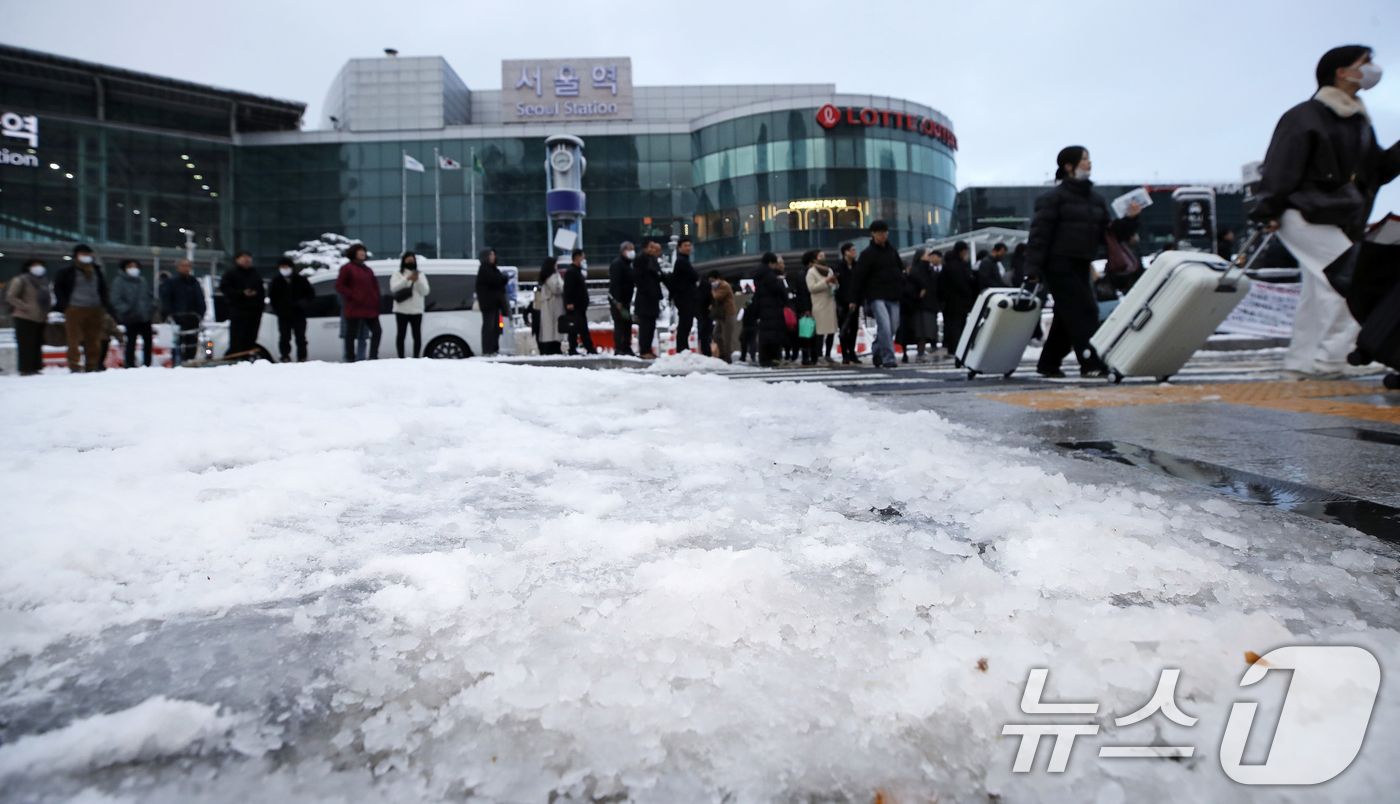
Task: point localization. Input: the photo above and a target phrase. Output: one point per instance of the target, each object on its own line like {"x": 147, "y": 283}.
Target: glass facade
{"x": 103, "y": 184}
{"x": 637, "y": 186}
{"x": 780, "y": 182}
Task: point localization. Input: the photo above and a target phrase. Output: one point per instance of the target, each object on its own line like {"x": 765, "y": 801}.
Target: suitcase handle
{"x": 1141, "y": 318}
{"x": 1230, "y": 282}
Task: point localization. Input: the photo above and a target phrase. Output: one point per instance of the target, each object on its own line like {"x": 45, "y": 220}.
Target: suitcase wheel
{"x": 1008, "y": 374}
{"x": 1164, "y": 378}
{"x": 971, "y": 374}
{"x": 1392, "y": 382}
{"x": 1117, "y": 378}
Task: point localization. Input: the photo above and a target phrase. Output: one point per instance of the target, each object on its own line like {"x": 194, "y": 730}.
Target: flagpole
{"x": 437, "y": 200}
{"x": 403, "y": 226}
{"x": 472, "y": 168}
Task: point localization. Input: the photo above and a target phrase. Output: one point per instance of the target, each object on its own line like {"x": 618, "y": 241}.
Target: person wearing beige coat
{"x": 821, "y": 283}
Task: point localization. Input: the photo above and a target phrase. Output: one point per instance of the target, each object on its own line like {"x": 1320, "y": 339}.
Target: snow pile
{"x": 323, "y": 254}
{"x": 486, "y": 582}
{"x": 687, "y": 362}
{"x": 154, "y": 728}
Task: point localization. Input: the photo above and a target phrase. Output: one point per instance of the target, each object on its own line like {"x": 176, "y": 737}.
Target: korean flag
{"x": 447, "y": 163}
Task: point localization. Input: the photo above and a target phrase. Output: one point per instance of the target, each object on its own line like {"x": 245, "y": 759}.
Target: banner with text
{"x": 1267, "y": 311}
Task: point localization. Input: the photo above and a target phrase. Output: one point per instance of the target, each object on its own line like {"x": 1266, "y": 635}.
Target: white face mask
{"x": 1370, "y": 74}
{"x": 583, "y": 264}
{"x": 133, "y": 272}
{"x": 36, "y": 270}
{"x": 285, "y": 271}
{"x": 85, "y": 259}
{"x": 630, "y": 254}
{"x": 1082, "y": 174}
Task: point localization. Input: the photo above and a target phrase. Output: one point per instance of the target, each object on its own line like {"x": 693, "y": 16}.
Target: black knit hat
{"x": 1336, "y": 58}
{"x": 82, "y": 248}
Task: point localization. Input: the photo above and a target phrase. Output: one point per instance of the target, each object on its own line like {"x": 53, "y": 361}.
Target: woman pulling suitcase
{"x": 1066, "y": 234}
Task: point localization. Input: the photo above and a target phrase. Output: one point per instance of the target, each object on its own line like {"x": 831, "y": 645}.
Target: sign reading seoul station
{"x": 566, "y": 89}
{"x": 829, "y": 117}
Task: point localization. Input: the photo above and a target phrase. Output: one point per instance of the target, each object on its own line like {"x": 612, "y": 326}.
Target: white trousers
{"x": 1324, "y": 332}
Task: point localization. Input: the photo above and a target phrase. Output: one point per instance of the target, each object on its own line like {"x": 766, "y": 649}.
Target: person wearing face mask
{"x": 1067, "y": 233}
{"x": 1320, "y": 178}
{"x": 81, "y": 295}
{"x": 292, "y": 295}
{"x": 30, "y": 299}
{"x": 243, "y": 292}
{"x": 134, "y": 305}
{"x": 726, "y": 315}
{"x": 620, "y": 286}
{"x": 576, "y": 303}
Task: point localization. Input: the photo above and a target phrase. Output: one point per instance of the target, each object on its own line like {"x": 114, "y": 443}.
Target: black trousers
{"x": 705, "y": 333}
{"x": 770, "y": 354}
{"x": 578, "y": 331}
{"x": 352, "y": 329}
{"x": 646, "y": 334}
{"x": 848, "y": 322}
{"x": 186, "y": 334}
{"x": 490, "y": 330}
{"x": 953, "y": 323}
{"x": 287, "y": 326}
{"x": 1076, "y": 314}
{"x": 242, "y": 332}
{"x": 748, "y": 337}
{"x": 404, "y": 321}
{"x": 135, "y": 329}
{"x": 622, "y": 333}
{"x": 685, "y": 319}
{"x": 29, "y": 337}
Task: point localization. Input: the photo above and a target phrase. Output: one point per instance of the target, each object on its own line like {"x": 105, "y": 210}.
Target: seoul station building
{"x": 741, "y": 169}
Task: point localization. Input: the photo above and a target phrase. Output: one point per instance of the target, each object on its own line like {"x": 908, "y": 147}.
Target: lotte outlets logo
{"x": 828, "y": 116}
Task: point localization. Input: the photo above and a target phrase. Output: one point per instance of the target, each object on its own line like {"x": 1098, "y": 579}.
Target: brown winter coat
{"x": 724, "y": 299}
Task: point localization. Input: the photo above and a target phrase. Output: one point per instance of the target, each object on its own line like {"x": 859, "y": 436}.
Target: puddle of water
{"x": 1358, "y": 434}
{"x": 1374, "y": 519}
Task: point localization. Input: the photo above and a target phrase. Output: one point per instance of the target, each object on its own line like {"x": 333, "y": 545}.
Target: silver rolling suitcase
{"x": 1169, "y": 314}
{"x": 998, "y": 331}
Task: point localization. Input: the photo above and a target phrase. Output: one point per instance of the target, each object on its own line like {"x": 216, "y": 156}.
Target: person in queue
{"x": 957, "y": 293}
{"x": 726, "y": 315}
{"x": 682, "y": 283}
{"x": 646, "y": 270}
{"x": 81, "y": 295}
{"x": 1320, "y": 178}
{"x": 923, "y": 272}
{"x": 549, "y": 300}
{"x": 621, "y": 284}
{"x": 182, "y": 301}
{"x": 821, "y": 290}
{"x": 359, "y": 292}
{"x": 770, "y": 300}
{"x": 291, "y": 295}
{"x": 576, "y": 303}
{"x": 134, "y": 305}
{"x": 243, "y": 292}
{"x": 30, "y": 298}
{"x": 1067, "y": 233}
{"x": 408, "y": 311}
{"x": 492, "y": 298}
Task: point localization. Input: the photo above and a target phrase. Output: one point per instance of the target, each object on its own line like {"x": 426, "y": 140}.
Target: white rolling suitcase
{"x": 1169, "y": 314}
{"x": 998, "y": 330}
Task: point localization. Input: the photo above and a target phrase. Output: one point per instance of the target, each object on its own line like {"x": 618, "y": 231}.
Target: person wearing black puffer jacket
{"x": 770, "y": 299}
{"x": 796, "y": 278}
{"x": 957, "y": 287}
{"x": 879, "y": 281}
{"x": 1067, "y": 232}
{"x": 1320, "y": 178}
{"x": 492, "y": 298}
{"x": 243, "y": 291}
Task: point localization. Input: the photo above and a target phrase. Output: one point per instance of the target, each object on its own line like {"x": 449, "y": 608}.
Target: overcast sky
{"x": 1164, "y": 92}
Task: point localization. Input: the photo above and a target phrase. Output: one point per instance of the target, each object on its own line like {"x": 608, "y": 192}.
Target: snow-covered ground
{"x": 427, "y": 580}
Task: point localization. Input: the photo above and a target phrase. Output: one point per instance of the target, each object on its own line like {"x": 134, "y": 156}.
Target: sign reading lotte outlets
{"x": 830, "y": 116}
{"x": 566, "y": 89}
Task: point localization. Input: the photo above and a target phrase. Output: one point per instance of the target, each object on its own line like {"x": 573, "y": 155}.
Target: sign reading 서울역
{"x": 536, "y": 90}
